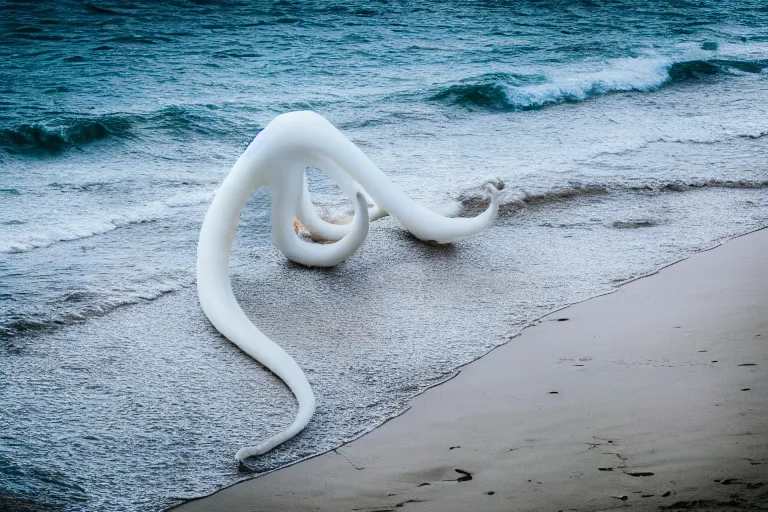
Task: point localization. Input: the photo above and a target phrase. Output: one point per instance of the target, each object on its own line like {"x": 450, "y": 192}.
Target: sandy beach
{"x": 652, "y": 397}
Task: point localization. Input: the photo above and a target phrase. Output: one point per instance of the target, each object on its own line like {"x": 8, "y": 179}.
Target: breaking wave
{"x": 62, "y": 132}
{"x": 514, "y": 91}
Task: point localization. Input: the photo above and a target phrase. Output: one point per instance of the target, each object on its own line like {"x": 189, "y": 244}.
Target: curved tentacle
{"x": 316, "y": 135}
{"x": 320, "y": 228}
{"x": 278, "y": 158}
{"x": 287, "y": 197}
{"x": 215, "y": 288}
{"x": 422, "y": 222}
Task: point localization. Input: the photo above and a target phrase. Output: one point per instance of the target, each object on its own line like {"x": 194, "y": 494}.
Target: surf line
{"x": 278, "y": 158}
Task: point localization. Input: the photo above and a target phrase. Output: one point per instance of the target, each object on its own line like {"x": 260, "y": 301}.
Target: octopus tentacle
{"x": 306, "y": 253}
{"x": 319, "y": 228}
{"x": 278, "y": 158}
{"x": 316, "y": 135}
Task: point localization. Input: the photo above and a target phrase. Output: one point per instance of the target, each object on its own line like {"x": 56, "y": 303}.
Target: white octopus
{"x": 278, "y": 157}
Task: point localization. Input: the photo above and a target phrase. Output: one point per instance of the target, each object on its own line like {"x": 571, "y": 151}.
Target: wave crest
{"x": 687, "y": 70}
{"x": 513, "y": 91}
{"x": 63, "y": 132}
{"x": 491, "y": 90}
{"x": 57, "y": 136}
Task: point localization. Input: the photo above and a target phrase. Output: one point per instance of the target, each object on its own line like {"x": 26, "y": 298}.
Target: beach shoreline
{"x": 532, "y": 425}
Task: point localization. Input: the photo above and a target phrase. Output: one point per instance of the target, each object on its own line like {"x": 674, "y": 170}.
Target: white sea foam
{"x": 629, "y": 74}
{"x": 79, "y": 227}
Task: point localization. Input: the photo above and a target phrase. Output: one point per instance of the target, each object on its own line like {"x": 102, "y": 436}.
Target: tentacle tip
{"x": 244, "y": 453}
{"x": 491, "y": 189}
{"x": 362, "y": 207}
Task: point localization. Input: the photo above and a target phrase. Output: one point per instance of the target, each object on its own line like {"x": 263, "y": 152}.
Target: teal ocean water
{"x": 627, "y": 135}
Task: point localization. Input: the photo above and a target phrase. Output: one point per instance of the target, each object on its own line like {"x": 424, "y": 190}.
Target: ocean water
{"x": 628, "y": 135}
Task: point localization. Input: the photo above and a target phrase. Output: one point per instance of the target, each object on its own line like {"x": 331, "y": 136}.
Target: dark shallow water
{"x": 627, "y": 137}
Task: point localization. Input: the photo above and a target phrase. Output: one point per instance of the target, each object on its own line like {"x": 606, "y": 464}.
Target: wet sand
{"x": 652, "y": 397}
